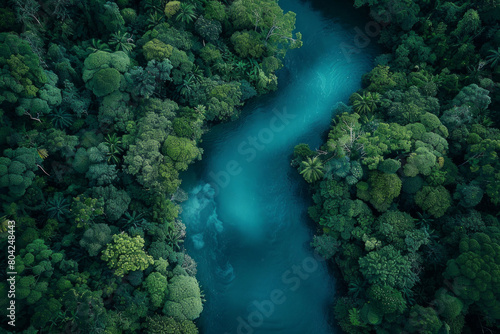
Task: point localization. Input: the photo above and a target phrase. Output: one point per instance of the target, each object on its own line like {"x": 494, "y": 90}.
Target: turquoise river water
{"x": 246, "y": 216}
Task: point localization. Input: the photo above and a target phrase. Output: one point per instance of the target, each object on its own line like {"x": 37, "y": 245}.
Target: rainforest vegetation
{"x": 102, "y": 104}
{"x": 406, "y": 186}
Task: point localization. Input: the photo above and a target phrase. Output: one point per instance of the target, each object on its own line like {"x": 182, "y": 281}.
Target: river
{"x": 246, "y": 216}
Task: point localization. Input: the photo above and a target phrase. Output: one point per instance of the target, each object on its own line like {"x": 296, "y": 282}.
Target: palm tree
{"x": 122, "y": 41}
{"x": 57, "y": 207}
{"x": 186, "y": 88}
{"x": 155, "y": 19}
{"x": 312, "y": 169}
{"x": 114, "y": 145}
{"x": 366, "y": 103}
{"x": 98, "y": 45}
{"x": 60, "y": 118}
{"x": 494, "y": 57}
{"x": 186, "y": 13}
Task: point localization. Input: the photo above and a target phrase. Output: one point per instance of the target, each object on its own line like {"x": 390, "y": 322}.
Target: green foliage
{"x": 247, "y": 44}
{"x": 474, "y": 271}
{"x": 209, "y": 30}
{"x": 184, "y": 300}
{"x": 210, "y": 54}
{"x": 381, "y": 79}
{"x": 186, "y": 13}
{"x": 388, "y": 266}
{"x": 156, "y": 286}
{"x": 223, "y": 100}
{"x": 474, "y": 97}
{"x": 142, "y": 82}
{"x": 157, "y": 50}
{"x": 57, "y": 207}
{"x": 181, "y": 150}
{"x": 167, "y": 325}
{"x": 171, "y": 8}
{"x": 435, "y": 200}
{"x": 419, "y": 162}
{"x": 96, "y": 238}
{"x": 126, "y": 254}
{"x": 468, "y": 195}
{"x": 312, "y": 169}
{"x": 389, "y": 166}
{"x": 384, "y": 188}
{"x": 386, "y": 138}
{"x": 393, "y": 227}
{"x": 386, "y": 299}
{"x": 86, "y": 209}
{"x": 21, "y": 75}
{"x": 326, "y": 245}
{"x": 215, "y": 10}
{"x": 102, "y": 71}
{"x": 449, "y": 305}
{"x": 423, "y": 320}
{"x": 122, "y": 42}
{"x": 17, "y": 169}
{"x": 366, "y": 103}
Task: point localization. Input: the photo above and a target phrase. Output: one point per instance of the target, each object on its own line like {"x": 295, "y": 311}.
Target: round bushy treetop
{"x": 449, "y": 305}
{"x": 17, "y": 169}
{"x": 156, "y": 285}
{"x": 116, "y": 201}
{"x": 417, "y": 130}
{"x": 387, "y": 266}
{"x": 102, "y": 71}
{"x": 95, "y": 238}
{"x": 430, "y": 121}
{"x": 247, "y": 44}
{"x": 392, "y": 226}
{"x": 469, "y": 195}
{"x": 435, "y": 200}
{"x": 171, "y": 8}
{"x": 105, "y": 81}
{"x": 126, "y": 254}
{"x": 215, "y": 10}
{"x": 302, "y": 151}
{"x": 158, "y": 324}
{"x": 157, "y": 50}
{"x": 184, "y": 298}
{"x": 419, "y": 162}
{"x": 129, "y": 15}
{"x": 476, "y": 270}
{"x": 181, "y": 150}
{"x": 20, "y": 72}
{"x": 210, "y": 54}
{"x": 423, "y": 320}
{"x": 386, "y": 299}
{"x": 473, "y": 96}
{"x": 209, "y": 30}
{"x": 384, "y": 188}
{"x": 118, "y": 60}
{"x": 33, "y": 106}
{"x": 389, "y": 166}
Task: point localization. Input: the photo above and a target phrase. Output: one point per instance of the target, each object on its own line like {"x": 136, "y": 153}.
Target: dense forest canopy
{"x": 102, "y": 104}
{"x": 406, "y": 186}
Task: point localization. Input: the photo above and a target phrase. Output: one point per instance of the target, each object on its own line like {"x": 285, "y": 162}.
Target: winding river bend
{"x": 246, "y": 215}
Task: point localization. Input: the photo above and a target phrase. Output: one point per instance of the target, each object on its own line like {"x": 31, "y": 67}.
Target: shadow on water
{"x": 246, "y": 215}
